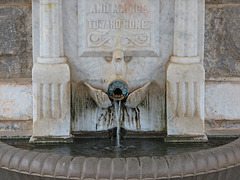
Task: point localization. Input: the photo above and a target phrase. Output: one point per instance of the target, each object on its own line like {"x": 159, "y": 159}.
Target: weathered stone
{"x": 16, "y": 2}
{"x": 216, "y": 124}
{"x": 15, "y": 128}
{"x": 16, "y": 107}
{"x": 16, "y": 41}
{"x": 51, "y": 78}
{"x": 185, "y": 75}
{"x": 224, "y": 107}
{"x": 126, "y": 25}
{"x": 98, "y": 71}
{"x": 222, "y": 40}
{"x": 52, "y": 87}
{"x": 185, "y": 99}
{"x": 221, "y": 1}
{"x": 15, "y": 100}
{"x": 16, "y": 66}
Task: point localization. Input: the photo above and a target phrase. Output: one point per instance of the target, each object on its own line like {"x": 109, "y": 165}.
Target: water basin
{"x": 184, "y": 161}
{"x": 107, "y": 148}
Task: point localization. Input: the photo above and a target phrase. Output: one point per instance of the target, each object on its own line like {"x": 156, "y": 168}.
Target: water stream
{"x": 117, "y": 106}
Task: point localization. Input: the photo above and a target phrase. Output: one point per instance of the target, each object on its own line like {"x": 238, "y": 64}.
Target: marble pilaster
{"x": 186, "y": 75}
{"x": 51, "y": 78}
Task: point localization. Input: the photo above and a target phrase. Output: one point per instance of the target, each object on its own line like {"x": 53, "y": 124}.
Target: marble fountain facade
{"x": 92, "y": 44}
{"x": 153, "y": 48}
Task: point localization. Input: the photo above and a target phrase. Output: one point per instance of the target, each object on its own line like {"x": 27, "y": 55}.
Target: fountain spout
{"x": 118, "y": 90}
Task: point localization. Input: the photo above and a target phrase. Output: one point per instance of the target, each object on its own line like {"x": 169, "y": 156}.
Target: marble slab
{"x": 106, "y": 25}
{"x": 222, "y": 100}
{"x": 16, "y": 100}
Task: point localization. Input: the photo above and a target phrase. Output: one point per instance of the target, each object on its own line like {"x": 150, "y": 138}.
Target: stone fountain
{"x": 87, "y": 53}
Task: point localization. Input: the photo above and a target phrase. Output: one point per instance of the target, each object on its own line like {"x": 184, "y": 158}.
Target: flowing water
{"x": 117, "y": 106}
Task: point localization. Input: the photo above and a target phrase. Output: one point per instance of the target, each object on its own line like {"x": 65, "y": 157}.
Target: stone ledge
{"x": 18, "y": 81}
{"x": 51, "y": 139}
{"x": 186, "y": 139}
{"x": 224, "y": 124}
{"x": 223, "y": 133}
{"x": 15, "y": 128}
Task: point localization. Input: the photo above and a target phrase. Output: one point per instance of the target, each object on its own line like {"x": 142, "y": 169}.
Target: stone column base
{"x": 51, "y": 102}
{"x": 185, "y": 100}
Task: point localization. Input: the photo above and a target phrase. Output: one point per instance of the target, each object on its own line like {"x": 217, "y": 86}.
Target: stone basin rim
{"x": 168, "y": 166}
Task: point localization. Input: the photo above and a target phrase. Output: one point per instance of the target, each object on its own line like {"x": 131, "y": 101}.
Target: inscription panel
{"x": 130, "y": 25}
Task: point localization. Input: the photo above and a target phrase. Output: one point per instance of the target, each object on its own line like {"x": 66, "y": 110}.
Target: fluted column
{"x": 51, "y": 78}
{"x": 186, "y": 75}
{"x": 186, "y": 28}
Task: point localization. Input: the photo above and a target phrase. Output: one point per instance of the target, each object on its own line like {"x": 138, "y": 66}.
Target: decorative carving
{"x": 137, "y": 96}
{"x": 185, "y": 100}
{"x": 98, "y": 39}
{"x": 185, "y": 97}
{"x": 99, "y": 97}
{"x": 136, "y": 40}
{"x": 107, "y": 25}
{"x": 50, "y": 100}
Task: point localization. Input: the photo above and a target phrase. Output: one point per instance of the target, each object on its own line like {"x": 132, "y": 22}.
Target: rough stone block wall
{"x": 15, "y": 68}
{"x": 222, "y": 66}
{"x": 222, "y": 38}
{"x": 15, "y": 39}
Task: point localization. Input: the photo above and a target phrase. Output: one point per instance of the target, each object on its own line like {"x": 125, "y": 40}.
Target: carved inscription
{"x": 119, "y": 24}
{"x": 112, "y": 24}
{"x": 127, "y": 23}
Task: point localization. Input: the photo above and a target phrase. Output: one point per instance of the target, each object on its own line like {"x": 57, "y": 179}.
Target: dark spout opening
{"x": 118, "y": 90}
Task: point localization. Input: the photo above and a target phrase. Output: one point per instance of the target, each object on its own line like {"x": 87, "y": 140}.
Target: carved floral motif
{"x": 99, "y": 39}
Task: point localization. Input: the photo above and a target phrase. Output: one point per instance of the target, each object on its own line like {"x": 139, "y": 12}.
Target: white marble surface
{"x": 185, "y": 72}
{"x": 144, "y": 66}
{"x": 105, "y": 25}
{"x": 220, "y": 97}
{"x": 51, "y": 100}
{"x": 139, "y": 70}
{"x": 185, "y": 99}
{"x": 51, "y": 73}
{"x": 89, "y": 117}
{"x": 16, "y": 100}
{"x": 97, "y": 71}
{"x": 51, "y": 36}
{"x": 222, "y": 100}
